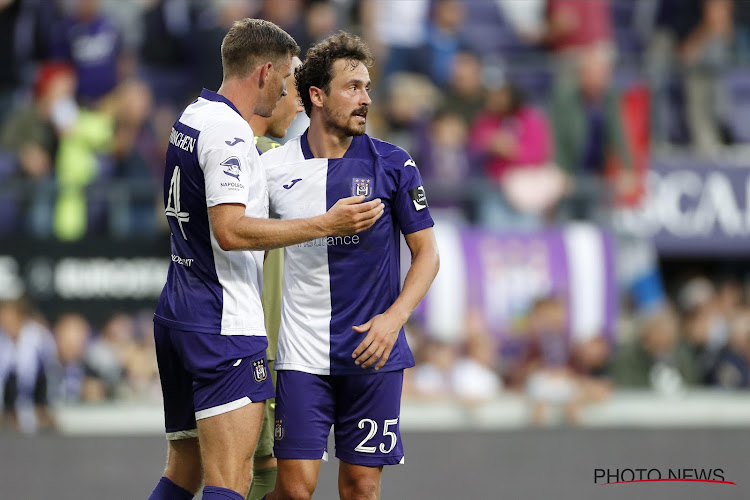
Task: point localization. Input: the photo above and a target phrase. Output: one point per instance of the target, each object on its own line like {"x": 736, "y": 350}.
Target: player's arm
{"x": 235, "y": 231}
{"x": 382, "y": 330}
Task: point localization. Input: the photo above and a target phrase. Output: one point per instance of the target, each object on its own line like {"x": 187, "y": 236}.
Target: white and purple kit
{"x": 209, "y": 330}
{"x": 332, "y": 284}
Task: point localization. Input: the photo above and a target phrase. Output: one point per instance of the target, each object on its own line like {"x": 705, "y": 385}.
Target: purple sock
{"x": 167, "y": 490}
{"x": 217, "y": 493}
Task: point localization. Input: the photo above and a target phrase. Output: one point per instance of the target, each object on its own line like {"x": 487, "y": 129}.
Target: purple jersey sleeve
{"x": 411, "y": 209}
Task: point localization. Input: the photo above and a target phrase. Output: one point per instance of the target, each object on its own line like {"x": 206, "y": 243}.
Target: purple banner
{"x": 500, "y": 276}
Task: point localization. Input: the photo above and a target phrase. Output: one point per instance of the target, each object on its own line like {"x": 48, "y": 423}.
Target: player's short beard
{"x": 338, "y": 121}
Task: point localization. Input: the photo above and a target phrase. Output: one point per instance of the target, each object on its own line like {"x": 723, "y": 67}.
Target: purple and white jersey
{"x": 211, "y": 160}
{"x": 334, "y": 283}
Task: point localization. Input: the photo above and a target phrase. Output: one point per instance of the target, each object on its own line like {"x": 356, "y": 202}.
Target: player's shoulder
{"x": 394, "y": 157}
{"x": 220, "y": 126}
{"x": 286, "y": 154}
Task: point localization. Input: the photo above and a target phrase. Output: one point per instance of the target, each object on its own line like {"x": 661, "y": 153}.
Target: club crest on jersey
{"x": 232, "y": 167}
{"x": 260, "y": 373}
{"x": 361, "y": 187}
{"x": 278, "y": 431}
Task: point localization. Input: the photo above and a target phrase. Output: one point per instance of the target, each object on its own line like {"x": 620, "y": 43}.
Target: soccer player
{"x": 209, "y": 333}
{"x": 342, "y": 349}
{"x": 266, "y": 129}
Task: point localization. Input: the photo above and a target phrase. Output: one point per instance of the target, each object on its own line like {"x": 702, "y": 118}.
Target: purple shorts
{"x": 204, "y": 374}
{"x": 363, "y": 409}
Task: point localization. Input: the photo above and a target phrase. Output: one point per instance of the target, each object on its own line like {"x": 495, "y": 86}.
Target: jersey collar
{"x": 354, "y": 147}
{"x": 213, "y": 96}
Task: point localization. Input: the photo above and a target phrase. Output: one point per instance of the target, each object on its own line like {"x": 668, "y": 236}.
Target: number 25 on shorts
{"x": 362, "y": 448}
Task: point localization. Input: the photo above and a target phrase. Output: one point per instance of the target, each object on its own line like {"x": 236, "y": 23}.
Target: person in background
{"x": 27, "y": 358}
{"x": 515, "y": 142}
{"x": 588, "y": 132}
{"x": 89, "y": 40}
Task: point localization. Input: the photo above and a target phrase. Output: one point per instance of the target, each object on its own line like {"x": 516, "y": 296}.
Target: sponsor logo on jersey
{"x": 182, "y": 261}
{"x": 232, "y": 165}
{"x": 361, "y": 186}
{"x": 278, "y": 431}
{"x": 418, "y": 198}
{"x": 234, "y": 142}
{"x": 260, "y": 373}
{"x": 291, "y": 184}
{"x": 410, "y": 162}
{"x": 330, "y": 241}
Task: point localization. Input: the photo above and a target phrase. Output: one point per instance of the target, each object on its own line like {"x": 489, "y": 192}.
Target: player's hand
{"x": 351, "y": 216}
{"x": 382, "y": 333}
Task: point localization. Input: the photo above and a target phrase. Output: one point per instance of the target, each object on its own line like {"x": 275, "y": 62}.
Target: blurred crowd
{"x": 520, "y": 115}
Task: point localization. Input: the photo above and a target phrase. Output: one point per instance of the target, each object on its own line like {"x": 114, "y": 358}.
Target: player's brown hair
{"x": 317, "y": 67}
{"x": 250, "y": 43}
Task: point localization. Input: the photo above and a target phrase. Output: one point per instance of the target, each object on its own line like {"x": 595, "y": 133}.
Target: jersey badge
{"x": 232, "y": 165}
{"x": 260, "y": 373}
{"x": 418, "y": 198}
{"x": 361, "y": 187}
{"x": 278, "y": 431}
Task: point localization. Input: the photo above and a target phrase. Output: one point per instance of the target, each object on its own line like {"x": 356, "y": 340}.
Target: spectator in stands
{"x": 695, "y": 37}
{"x": 658, "y": 358}
{"x": 207, "y": 38}
{"x": 383, "y": 27}
{"x": 432, "y": 377}
{"x": 109, "y": 350}
{"x": 447, "y": 166}
{"x": 288, "y": 14}
{"x": 25, "y": 26}
{"x": 78, "y": 380}
{"x": 322, "y": 19}
{"x": 27, "y": 356}
{"x": 412, "y": 99}
{"x": 591, "y": 361}
{"x": 82, "y": 158}
{"x": 141, "y": 371}
{"x": 528, "y": 18}
{"x": 32, "y": 133}
{"x": 588, "y": 130}
{"x": 706, "y": 324}
{"x": 465, "y": 94}
{"x": 90, "y": 41}
{"x": 514, "y": 140}
{"x": 732, "y": 369}
{"x": 573, "y": 25}
{"x": 443, "y": 40}
{"x": 545, "y": 362}
{"x": 169, "y": 31}
{"x": 134, "y": 155}
{"x": 474, "y": 377}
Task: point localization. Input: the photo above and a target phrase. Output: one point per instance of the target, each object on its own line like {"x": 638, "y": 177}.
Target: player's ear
{"x": 265, "y": 71}
{"x": 316, "y": 96}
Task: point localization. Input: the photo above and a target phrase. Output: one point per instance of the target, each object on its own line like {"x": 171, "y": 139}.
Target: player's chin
{"x": 357, "y": 128}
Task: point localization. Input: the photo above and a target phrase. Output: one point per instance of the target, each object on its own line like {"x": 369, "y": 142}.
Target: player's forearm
{"x": 424, "y": 267}
{"x": 266, "y": 234}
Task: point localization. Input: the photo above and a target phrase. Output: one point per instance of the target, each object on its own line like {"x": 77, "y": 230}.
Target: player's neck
{"x": 241, "y": 96}
{"x": 259, "y": 125}
{"x": 325, "y": 143}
